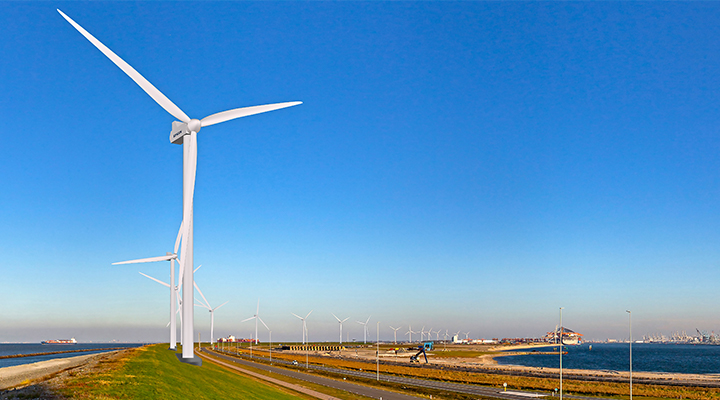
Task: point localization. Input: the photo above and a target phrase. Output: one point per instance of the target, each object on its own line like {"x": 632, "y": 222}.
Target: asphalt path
{"x": 378, "y": 393}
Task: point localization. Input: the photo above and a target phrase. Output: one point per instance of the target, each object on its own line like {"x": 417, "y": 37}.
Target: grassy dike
{"x": 153, "y": 372}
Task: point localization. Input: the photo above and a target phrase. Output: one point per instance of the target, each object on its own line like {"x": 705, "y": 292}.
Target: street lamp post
{"x": 630, "y": 327}
{"x": 561, "y": 351}
{"x": 377, "y": 353}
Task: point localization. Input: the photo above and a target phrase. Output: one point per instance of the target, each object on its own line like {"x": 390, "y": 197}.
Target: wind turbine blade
{"x": 201, "y": 305}
{"x": 195, "y": 270}
{"x": 179, "y": 236}
{"x": 345, "y": 319}
{"x": 335, "y": 317}
{"x": 309, "y": 314}
{"x": 146, "y": 260}
{"x": 263, "y": 322}
{"x": 368, "y": 320}
{"x": 243, "y": 112}
{"x": 156, "y": 280}
{"x": 156, "y": 95}
{"x": 297, "y": 315}
{"x": 201, "y": 294}
{"x": 220, "y": 305}
{"x": 248, "y": 319}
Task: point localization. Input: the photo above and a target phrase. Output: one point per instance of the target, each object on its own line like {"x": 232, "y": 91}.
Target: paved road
{"x": 362, "y": 390}
{"x": 342, "y": 385}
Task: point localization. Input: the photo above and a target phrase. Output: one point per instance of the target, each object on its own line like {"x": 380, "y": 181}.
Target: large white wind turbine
{"x": 365, "y": 329}
{"x": 257, "y": 318}
{"x": 340, "y": 322}
{"x": 304, "y": 326}
{"x": 183, "y": 132}
{"x": 212, "y": 313}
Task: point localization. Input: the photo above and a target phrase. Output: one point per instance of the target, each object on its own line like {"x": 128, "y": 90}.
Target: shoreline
{"x": 59, "y": 352}
{"x": 487, "y": 364}
{"x": 18, "y": 376}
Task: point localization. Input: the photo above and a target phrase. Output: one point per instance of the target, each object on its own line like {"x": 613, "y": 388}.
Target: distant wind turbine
{"x": 257, "y": 318}
{"x": 212, "y": 313}
{"x": 340, "y": 322}
{"x": 395, "y": 334}
{"x": 185, "y": 133}
{"x": 410, "y": 332}
{"x": 304, "y": 325}
{"x": 365, "y": 329}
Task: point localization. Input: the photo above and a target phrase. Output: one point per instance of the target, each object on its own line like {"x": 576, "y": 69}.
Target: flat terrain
{"x": 150, "y": 372}
{"x": 474, "y": 364}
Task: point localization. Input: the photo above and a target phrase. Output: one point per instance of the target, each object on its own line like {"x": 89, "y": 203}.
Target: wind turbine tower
{"x": 340, "y": 322}
{"x": 173, "y": 290}
{"x": 395, "y": 334}
{"x": 212, "y": 314}
{"x": 304, "y": 325}
{"x": 410, "y": 332}
{"x": 365, "y": 328}
{"x": 257, "y": 318}
{"x": 183, "y": 132}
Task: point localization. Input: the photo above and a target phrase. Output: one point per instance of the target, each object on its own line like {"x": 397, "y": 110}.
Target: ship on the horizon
{"x": 60, "y": 341}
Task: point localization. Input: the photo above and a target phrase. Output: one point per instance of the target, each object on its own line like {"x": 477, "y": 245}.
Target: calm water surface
{"x": 25, "y": 348}
{"x": 647, "y": 357}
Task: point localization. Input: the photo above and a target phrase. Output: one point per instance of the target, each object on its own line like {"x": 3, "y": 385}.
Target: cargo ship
{"x": 60, "y": 341}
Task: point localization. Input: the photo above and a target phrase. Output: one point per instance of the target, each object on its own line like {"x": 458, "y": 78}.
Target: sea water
{"x": 646, "y": 357}
{"x": 9, "y": 349}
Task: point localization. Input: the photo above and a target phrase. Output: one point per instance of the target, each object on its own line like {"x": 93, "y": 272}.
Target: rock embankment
{"x": 41, "y": 378}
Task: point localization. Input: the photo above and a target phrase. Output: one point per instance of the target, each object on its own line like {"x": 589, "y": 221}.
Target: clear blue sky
{"x": 464, "y": 166}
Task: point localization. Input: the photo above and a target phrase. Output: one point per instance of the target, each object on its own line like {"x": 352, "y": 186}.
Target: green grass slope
{"x": 154, "y": 372}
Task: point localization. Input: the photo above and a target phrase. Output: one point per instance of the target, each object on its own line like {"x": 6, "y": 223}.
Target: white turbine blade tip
{"x": 151, "y": 90}
{"x": 145, "y": 260}
{"x": 244, "y": 112}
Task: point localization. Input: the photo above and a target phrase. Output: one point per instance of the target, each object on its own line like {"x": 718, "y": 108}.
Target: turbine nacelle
{"x": 180, "y": 129}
